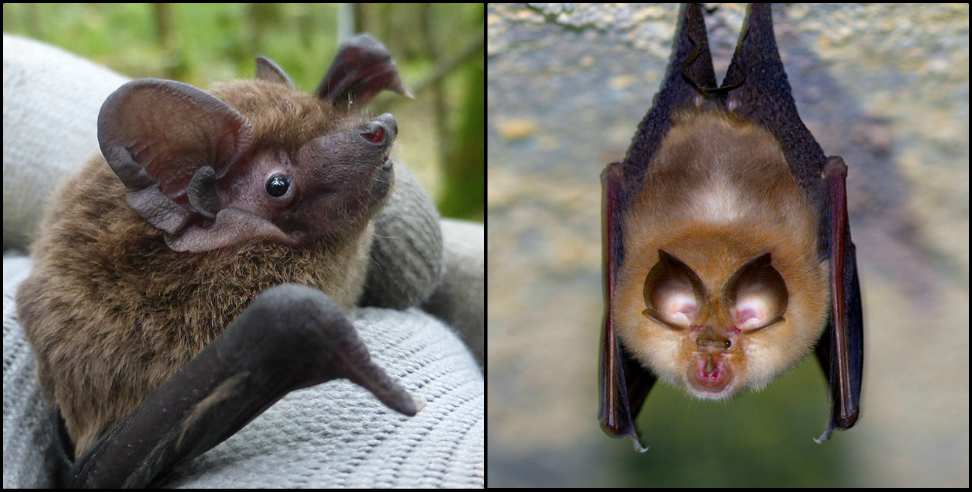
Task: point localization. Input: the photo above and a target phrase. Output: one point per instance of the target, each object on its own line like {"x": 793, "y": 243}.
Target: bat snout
{"x": 710, "y": 376}
{"x": 381, "y": 131}
{"x": 711, "y": 340}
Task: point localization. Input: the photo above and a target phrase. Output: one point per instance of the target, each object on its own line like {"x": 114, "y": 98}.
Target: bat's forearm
{"x": 290, "y": 337}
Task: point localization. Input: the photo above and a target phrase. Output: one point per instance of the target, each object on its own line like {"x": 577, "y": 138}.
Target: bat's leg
{"x": 290, "y": 337}
{"x": 841, "y": 350}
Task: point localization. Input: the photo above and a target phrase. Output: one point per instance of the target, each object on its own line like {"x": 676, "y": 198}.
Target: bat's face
{"x": 714, "y": 321}
{"x": 326, "y": 186}
{"x": 721, "y": 287}
{"x": 256, "y": 160}
{"x": 715, "y": 316}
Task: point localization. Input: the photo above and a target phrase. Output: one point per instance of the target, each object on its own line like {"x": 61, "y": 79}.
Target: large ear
{"x": 362, "y": 68}
{"x": 756, "y": 294}
{"x": 267, "y": 70}
{"x": 169, "y": 142}
{"x": 674, "y": 294}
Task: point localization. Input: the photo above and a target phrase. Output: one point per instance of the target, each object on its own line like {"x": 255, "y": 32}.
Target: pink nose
{"x": 381, "y": 131}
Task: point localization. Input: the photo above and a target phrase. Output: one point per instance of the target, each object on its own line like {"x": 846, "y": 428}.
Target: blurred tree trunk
{"x": 358, "y": 17}
{"x": 260, "y": 17}
{"x": 163, "y": 24}
{"x": 32, "y": 21}
{"x": 439, "y": 113}
{"x": 464, "y": 167}
{"x": 305, "y": 26}
{"x": 173, "y": 63}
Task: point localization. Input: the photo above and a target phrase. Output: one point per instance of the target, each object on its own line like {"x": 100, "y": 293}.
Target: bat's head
{"x": 256, "y": 160}
{"x": 719, "y": 317}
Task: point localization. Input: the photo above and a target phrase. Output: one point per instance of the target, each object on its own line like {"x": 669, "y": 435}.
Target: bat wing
{"x": 841, "y": 348}
{"x": 290, "y": 337}
{"x": 758, "y": 89}
{"x": 624, "y": 383}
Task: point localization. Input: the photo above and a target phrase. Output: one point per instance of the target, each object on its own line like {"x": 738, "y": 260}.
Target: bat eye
{"x": 277, "y": 185}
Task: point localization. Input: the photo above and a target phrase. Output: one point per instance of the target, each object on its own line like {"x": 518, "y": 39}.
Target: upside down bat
{"x": 727, "y": 249}
{"x": 163, "y": 308}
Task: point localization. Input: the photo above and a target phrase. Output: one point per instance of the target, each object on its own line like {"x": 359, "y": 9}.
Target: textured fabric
{"x": 406, "y": 258}
{"x": 51, "y": 101}
{"x": 461, "y": 297}
{"x": 332, "y": 435}
{"x": 26, "y": 428}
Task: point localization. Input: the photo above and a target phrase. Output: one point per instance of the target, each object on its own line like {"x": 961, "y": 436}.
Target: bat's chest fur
{"x": 112, "y": 312}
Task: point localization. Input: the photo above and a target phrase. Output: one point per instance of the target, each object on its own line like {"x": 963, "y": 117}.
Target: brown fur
{"x": 719, "y": 194}
{"x": 112, "y": 312}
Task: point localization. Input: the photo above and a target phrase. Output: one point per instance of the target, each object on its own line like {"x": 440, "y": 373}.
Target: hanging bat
{"x": 200, "y": 268}
{"x": 726, "y": 245}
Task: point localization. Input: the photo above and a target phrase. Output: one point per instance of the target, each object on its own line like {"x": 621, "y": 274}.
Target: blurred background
{"x": 439, "y": 49}
{"x": 886, "y": 87}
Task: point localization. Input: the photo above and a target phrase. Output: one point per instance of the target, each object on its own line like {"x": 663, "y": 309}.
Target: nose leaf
{"x": 709, "y": 339}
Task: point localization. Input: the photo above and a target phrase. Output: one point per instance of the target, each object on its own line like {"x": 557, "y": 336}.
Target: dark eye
{"x": 277, "y": 185}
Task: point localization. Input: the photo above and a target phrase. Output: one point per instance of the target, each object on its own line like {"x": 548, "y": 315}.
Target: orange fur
{"x": 720, "y": 193}
{"x": 111, "y": 312}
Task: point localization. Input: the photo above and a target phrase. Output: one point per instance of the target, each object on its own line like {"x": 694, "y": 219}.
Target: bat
{"x": 199, "y": 269}
{"x": 726, "y": 246}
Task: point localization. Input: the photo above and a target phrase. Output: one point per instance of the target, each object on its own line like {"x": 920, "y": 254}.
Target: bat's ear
{"x": 362, "y": 68}
{"x": 673, "y": 292}
{"x": 756, "y": 294}
{"x": 169, "y": 143}
{"x": 230, "y": 227}
{"x": 267, "y": 70}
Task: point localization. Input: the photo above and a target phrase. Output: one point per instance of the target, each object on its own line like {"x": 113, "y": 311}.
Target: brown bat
{"x": 162, "y": 307}
{"x": 727, "y": 250}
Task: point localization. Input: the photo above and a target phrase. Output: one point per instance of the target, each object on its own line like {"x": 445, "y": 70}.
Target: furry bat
{"x": 163, "y": 308}
{"x": 727, "y": 249}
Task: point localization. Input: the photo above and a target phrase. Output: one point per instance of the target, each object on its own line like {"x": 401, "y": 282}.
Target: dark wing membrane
{"x": 689, "y": 69}
{"x": 759, "y": 91}
{"x": 290, "y": 337}
{"x": 762, "y": 94}
{"x": 624, "y": 383}
{"x": 841, "y": 348}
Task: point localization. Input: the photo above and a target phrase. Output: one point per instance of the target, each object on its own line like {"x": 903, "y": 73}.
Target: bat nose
{"x": 381, "y": 131}
{"x": 710, "y": 340}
